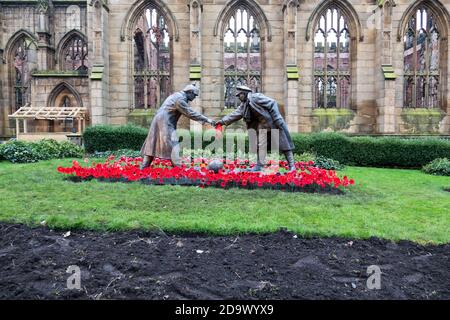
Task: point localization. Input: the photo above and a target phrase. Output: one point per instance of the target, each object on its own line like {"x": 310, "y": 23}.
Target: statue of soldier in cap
{"x": 162, "y": 138}
{"x": 261, "y": 114}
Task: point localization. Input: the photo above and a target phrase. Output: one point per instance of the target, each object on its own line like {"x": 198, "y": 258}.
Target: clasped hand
{"x": 214, "y": 123}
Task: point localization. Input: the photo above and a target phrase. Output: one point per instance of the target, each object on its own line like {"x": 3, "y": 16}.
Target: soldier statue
{"x": 162, "y": 138}
{"x": 261, "y": 114}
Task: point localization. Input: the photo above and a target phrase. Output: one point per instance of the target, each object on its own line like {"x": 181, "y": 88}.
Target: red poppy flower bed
{"x": 307, "y": 177}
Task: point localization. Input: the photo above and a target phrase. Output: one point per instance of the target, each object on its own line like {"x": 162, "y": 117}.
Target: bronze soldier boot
{"x": 290, "y": 159}
{"x": 261, "y": 152}
{"x": 258, "y": 167}
{"x": 260, "y": 161}
{"x": 146, "y": 162}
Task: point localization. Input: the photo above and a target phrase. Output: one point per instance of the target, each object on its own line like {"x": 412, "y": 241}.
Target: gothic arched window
{"x": 421, "y": 61}
{"x": 65, "y": 102}
{"x": 21, "y": 72}
{"x": 152, "y": 65}
{"x": 242, "y": 54}
{"x": 75, "y": 54}
{"x": 332, "y": 60}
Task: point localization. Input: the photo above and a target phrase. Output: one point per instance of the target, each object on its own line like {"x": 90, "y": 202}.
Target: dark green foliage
{"x": 373, "y": 152}
{"x": 327, "y": 163}
{"x": 319, "y": 161}
{"x": 18, "y": 152}
{"x": 70, "y": 150}
{"x": 25, "y": 152}
{"x": 45, "y": 149}
{"x": 304, "y": 157}
{"x": 51, "y": 149}
{"x": 438, "y": 167}
{"x": 110, "y": 138}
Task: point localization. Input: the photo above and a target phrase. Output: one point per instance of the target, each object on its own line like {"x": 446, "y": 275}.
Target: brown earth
{"x": 155, "y": 265}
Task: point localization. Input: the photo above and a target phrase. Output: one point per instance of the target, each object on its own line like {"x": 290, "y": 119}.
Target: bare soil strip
{"x": 155, "y": 265}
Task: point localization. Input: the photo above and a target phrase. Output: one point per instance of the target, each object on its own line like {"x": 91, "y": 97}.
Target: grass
{"x": 386, "y": 203}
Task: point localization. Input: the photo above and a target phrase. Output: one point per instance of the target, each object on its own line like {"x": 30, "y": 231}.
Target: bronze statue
{"x": 162, "y": 138}
{"x": 261, "y": 114}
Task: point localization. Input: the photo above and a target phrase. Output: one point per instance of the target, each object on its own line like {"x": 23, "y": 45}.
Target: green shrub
{"x": 18, "y": 152}
{"x": 51, "y": 149}
{"x": 24, "y": 152}
{"x": 302, "y": 143}
{"x": 327, "y": 163}
{"x": 46, "y": 149}
{"x": 110, "y": 138}
{"x": 438, "y": 167}
{"x": 304, "y": 157}
{"x": 331, "y": 145}
{"x": 377, "y": 152}
{"x": 397, "y": 152}
{"x": 1, "y": 151}
{"x": 70, "y": 150}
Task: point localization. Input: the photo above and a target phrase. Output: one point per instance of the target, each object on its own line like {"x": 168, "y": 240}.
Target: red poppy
{"x": 160, "y": 170}
{"x": 219, "y": 130}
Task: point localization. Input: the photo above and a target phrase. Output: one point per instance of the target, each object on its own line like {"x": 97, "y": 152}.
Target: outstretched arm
{"x": 233, "y": 117}
{"x": 185, "y": 109}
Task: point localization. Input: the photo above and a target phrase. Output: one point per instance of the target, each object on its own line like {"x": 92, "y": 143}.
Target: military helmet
{"x": 240, "y": 89}
{"x": 193, "y": 88}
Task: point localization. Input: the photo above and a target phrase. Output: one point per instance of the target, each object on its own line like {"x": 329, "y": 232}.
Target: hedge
{"x": 374, "y": 151}
{"x": 358, "y": 151}
{"x": 110, "y": 138}
{"x": 103, "y": 138}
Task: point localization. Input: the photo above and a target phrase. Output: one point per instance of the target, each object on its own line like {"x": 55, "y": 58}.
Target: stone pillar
{"x": 3, "y": 105}
{"x": 98, "y": 55}
{"x": 386, "y": 119}
{"x": 46, "y": 51}
{"x": 291, "y": 87}
{"x": 195, "y": 68}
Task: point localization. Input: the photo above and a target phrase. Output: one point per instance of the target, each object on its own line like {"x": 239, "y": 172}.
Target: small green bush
{"x": 438, "y": 167}
{"x": 25, "y": 152}
{"x": 319, "y": 161}
{"x": 51, "y": 149}
{"x": 18, "y": 152}
{"x": 70, "y": 150}
{"x": 304, "y": 157}
{"x": 46, "y": 149}
{"x": 327, "y": 163}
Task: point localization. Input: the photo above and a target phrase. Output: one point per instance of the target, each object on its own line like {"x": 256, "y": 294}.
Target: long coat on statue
{"x": 162, "y": 138}
{"x": 261, "y": 112}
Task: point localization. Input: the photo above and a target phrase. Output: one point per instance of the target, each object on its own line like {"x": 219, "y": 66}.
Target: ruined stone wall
{"x": 287, "y": 43}
{"x": 47, "y": 24}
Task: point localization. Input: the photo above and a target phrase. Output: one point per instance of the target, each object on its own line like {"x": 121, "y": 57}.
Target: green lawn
{"x": 387, "y": 203}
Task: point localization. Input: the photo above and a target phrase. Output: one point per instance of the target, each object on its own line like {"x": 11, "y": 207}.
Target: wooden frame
{"x": 28, "y": 112}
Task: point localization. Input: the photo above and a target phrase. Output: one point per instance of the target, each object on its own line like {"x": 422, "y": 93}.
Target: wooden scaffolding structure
{"x": 28, "y": 112}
